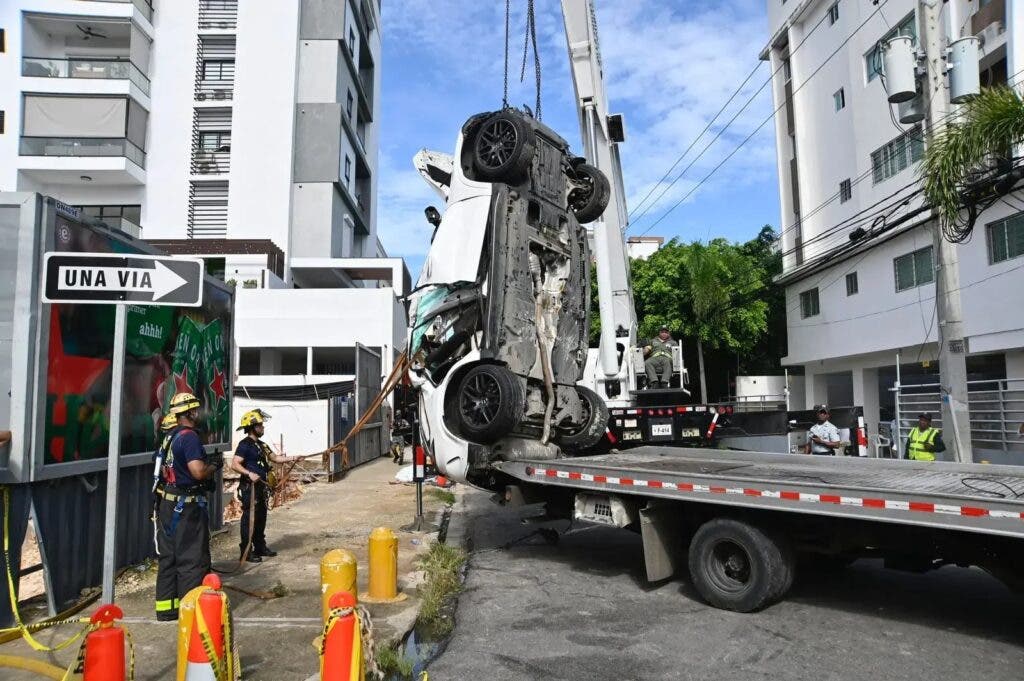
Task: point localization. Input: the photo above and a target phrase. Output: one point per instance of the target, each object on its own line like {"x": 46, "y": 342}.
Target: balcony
{"x": 992, "y": 12}
{"x": 144, "y": 6}
{"x": 82, "y": 147}
{"x": 212, "y": 162}
{"x": 218, "y": 14}
{"x": 113, "y": 68}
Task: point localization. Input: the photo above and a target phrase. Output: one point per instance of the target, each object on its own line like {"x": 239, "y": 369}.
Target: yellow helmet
{"x": 168, "y": 422}
{"x": 183, "y": 402}
{"x": 252, "y": 418}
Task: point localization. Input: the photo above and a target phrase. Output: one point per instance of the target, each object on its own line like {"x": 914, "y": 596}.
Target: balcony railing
{"x": 218, "y": 14}
{"x": 211, "y": 162}
{"x": 82, "y": 146}
{"x": 108, "y": 69}
{"x": 144, "y": 6}
{"x": 216, "y": 90}
{"x": 123, "y": 224}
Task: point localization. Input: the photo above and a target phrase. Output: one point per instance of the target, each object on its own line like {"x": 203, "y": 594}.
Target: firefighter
{"x": 924, "y": 440}
{"x": 252, "y": 461}
{"x": 659, "y": 359}
{"x": 183, "y": 524}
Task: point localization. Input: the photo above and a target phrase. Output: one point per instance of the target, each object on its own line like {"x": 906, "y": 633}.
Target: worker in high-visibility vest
{"x": 924, "y": 440}
{"x": 658, "y": 362}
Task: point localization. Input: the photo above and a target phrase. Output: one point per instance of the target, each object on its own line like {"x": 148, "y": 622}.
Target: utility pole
{"x": 948, "y": 309}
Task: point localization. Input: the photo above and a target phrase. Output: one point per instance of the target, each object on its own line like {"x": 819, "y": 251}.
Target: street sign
{"x": 104, "y": 278}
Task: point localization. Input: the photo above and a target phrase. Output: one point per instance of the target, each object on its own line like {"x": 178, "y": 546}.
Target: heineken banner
{"x": 168, "y": 350}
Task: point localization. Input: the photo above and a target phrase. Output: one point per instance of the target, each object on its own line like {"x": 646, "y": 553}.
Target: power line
{"x": 765, "y": 121}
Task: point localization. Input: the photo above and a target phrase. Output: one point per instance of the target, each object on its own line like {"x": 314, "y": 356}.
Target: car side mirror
{"x": 433, "y": 216}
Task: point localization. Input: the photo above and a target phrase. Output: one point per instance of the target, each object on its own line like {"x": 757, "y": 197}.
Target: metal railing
{"x": 995, "y": 407}
{"x": 211, "y": 162}
{"x": 218, "y": 14}
{"x": 121, "y": 223}
{"x": 748, "y": 403}
{"x": 216, "y": 90}
{"x": 82, "y": 146}
{"x": 108, "y": 68}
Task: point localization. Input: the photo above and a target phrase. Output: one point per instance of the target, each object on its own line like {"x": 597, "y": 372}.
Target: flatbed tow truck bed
{"x": 917, "y": 515}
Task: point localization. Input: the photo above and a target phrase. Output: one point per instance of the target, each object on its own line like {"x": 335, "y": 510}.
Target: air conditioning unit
{"x": 991, "y": 32}
{"x": 201, "y": 96}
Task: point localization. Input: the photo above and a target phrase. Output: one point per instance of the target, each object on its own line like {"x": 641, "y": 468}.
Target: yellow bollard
{"x": 338, "y": 572}
{"x": 383, "y": 567}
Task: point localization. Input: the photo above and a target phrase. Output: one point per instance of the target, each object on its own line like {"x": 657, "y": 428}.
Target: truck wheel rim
{"x": 729, "y": 567}
{"x": 496, "y": 143}
{"x": 480, "y": 400}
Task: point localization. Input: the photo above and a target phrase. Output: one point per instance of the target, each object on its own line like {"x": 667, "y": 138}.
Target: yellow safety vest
{"x": 660, "y": 348}
{"x": 918, "y": 439}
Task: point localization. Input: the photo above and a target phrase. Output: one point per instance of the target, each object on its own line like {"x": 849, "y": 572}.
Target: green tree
{"x": 988, "y": 128}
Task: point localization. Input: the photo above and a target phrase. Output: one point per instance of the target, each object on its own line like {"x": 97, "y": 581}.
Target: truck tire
{"x": 736, "y": 566}
{"x": 488, "y": 403}
{"x": 595, "y": 422}
{"x": 588, "y": 204}
{"x": 503, "y": 148}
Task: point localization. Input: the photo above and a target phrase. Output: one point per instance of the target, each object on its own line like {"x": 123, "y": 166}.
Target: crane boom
{"x": 601, "y": 134}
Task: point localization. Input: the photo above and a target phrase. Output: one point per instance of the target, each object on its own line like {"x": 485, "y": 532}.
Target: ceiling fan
{"x": 89, "y": 32}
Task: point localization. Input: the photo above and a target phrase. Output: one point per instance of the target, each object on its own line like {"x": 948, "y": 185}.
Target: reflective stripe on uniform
{"x": 167, "y": 606}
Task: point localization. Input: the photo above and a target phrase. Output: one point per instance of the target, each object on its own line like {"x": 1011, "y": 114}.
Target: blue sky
{"x": 669, "y": 67}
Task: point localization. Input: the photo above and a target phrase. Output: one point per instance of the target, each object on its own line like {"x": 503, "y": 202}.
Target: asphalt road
{"x": 581, "y": 609}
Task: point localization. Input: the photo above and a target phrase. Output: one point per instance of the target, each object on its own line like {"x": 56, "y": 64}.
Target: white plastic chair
{"x": 883, "y": 443}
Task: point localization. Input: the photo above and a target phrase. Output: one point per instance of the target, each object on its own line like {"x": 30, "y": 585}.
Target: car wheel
{"x": 594, "y": 424}
{"x": 588, "y": 203}
{"x": 736, "y": 566}
{"x": 503, "y": 148}
{"x": 489, "y": 403}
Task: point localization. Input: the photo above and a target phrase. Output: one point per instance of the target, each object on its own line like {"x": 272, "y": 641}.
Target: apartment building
{"x": 246, "y": 133}
{"x": 860, "y": 290}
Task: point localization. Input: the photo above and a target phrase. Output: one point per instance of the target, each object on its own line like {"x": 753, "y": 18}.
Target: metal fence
{"x": 371, "y": 442}
{"x": 996, "y": 409}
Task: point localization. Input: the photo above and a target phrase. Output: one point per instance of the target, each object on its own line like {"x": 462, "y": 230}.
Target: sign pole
{"x": 113, "y": 453}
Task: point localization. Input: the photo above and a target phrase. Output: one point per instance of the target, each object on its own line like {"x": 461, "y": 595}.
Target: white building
{"x": 854, "y": 301}
{"x": 643, "y": 247}
{"x": 244, "y": 132}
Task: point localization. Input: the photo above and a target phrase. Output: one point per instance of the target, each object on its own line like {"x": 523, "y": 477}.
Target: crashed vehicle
{"x": 500, "y": 314}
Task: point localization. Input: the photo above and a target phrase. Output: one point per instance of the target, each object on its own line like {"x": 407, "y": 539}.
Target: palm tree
{"x": 988, "y": 127}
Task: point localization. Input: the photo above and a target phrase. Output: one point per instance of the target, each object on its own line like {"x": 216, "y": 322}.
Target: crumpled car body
{"x": 500, "y": 314}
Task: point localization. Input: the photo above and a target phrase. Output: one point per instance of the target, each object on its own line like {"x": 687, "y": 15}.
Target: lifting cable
{"x": 529, "y": 39}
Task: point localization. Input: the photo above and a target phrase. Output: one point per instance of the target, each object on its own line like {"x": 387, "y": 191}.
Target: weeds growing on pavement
{"x": 443, "y": 565}
{"x": 445, "y": 496}
{"x": 392, "y": 662}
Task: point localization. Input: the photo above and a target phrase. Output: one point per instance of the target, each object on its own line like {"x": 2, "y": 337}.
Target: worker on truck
{"x": 924, "y": 440}
{"x": 658, "y": 362}
{"x": 823, "y": 436}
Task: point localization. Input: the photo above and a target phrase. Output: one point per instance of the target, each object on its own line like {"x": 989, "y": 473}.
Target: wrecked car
{"x": 500, "y": 314}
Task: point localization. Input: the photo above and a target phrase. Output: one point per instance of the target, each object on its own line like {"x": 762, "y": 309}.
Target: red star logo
{"x": 217, "y": 384}
{"x": 69, "y": 374}
{"x": 181, "y": 381}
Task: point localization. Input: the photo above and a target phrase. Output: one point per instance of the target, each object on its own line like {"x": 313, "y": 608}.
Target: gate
{"x": 344, "y": 411}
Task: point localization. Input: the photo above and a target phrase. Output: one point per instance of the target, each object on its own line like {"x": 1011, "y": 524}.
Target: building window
{"x": 839, "y": 99}
{"x": 1, "y": 122}
{"x": 3, "y": 41}
{"x": 845, "y": 191}
{"x": 348, "y": 104}
{"x": 894, "y": 157}
{"x": 351, "y": 42}
{"x": 873, "y": 59}
{"x": 219, "y": 69}
{"x": 809, "y": 303}
{"x": 787, "y": 70}
{"x": 851, "y": 284}
{"x": 914, "y": 269}
{"x": 348, "y": 168}
{"x": 211, "y": 141}
{"x": 1005, "y": 238}
{"x": 833, "y": 14}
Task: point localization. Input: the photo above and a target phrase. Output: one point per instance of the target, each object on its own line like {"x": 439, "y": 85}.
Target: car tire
{"x": 589, "y": 204}
{"x": 488, "y": 403}
{"x": 595, "y": 422}
{"x": 736, "y": 566}
{"x": 503, "y": 148}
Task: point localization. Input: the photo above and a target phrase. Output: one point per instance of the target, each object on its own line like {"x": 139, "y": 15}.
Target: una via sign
{"x": 104, "y": 278}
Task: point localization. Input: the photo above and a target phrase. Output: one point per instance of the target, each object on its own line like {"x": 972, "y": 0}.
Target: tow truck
{"x": 737, "y": 522}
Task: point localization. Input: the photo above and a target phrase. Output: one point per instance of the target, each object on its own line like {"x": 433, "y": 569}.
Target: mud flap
{"x": 660, "y": 527}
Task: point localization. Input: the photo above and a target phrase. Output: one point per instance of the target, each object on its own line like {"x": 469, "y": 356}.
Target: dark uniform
{"x": 255, "y": 455}
{"x": 183, "y": 524}
{"x": 659, "y": 364}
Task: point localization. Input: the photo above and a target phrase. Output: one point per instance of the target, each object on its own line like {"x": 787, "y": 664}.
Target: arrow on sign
{"x": 159, "y": 281}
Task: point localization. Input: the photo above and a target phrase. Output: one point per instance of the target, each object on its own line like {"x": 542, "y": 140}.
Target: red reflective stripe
{"x": 684, "y": 486}
{"x": 922, "y": 506}
{"x": 575, "y": 476}
{"x": 972, "y": 511}
{"x": 419, "y": 457}
{"x": 752, "y": 492}
{"x": 717, "y": 490}
{"x": 829, "y": 499}
{"x": 600, "y": 478}
{"x": 654, "y": 483}
{"x": 550, "y": 473}
{"x": 625, "y": 481}
{"x": 873, "y": 503}
{"x": 791, "y": 496}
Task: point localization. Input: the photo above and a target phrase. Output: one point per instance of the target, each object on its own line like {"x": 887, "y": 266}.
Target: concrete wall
{"x": 301, "y": 425}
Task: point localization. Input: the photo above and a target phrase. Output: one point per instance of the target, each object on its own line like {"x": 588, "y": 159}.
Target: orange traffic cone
{"x": 341, "y": 651}
{"x": 104, "y": 646}
{"x": 207, "y": 627}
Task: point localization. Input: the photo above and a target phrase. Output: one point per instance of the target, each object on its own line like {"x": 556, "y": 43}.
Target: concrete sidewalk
{"x": 274, "y": 637}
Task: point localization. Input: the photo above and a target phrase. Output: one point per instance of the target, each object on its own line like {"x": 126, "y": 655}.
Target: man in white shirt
{"x": 823, "y": 437}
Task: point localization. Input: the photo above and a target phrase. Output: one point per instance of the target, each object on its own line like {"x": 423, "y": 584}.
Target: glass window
{"x": 219, "y": 69}
{"x": 348, "y": 104}
{"x": 809, "y": 303}
{"x": 914, "y": 269}
{"x": 845, "y": 191}
{"x": 852, "y": 287}
{"x": 896, "y": 156}
{"x": 839, "y": 99}
{"x": 348, "y": 168}
{"x": 873, "y": 59}
{"x": 351, "y": 42}
{"x": 833, "y": 14}
{"x": 1006, "y": 239}
{"x": 215, "y": 140}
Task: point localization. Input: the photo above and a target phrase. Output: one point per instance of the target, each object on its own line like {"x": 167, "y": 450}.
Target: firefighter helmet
{"x": 168, "y": 422}
{"x": 183, "y": 402}
{"x": 253, "y": 417}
